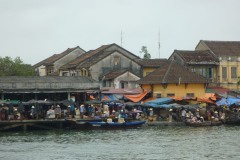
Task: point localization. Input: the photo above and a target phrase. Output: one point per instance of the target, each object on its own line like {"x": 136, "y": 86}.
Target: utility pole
{"x": 159, "y": 43}
{"x": 121, "y": 39}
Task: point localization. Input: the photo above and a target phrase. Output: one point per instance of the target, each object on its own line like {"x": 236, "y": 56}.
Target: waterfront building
{"x": 228, "y": 53}
{"x": 202, "y": 62}
{"x": 174, "y": 80}
{"x": 100, "y": 64}
{"x": 53, "y": 88}
{"x": 51, "y": 65}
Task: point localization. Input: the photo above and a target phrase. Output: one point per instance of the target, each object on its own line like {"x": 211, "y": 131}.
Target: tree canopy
{"x": 15, "y": 67}
{"x": 146, "y": 55}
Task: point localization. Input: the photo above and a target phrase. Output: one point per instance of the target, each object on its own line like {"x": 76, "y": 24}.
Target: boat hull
{"x": 204, "y": 124}
{"x": 116, "y": 125}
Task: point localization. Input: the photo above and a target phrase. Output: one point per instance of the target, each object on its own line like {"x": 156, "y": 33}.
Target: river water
{"x": 220, "y": 142}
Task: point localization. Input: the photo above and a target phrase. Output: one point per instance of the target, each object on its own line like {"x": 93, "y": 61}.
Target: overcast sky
{"x": 37, "y": 29}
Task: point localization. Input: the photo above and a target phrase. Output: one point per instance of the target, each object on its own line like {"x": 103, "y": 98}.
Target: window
{"x": 210, "y": 71}
{"x": 200, "y": 71}
{"x": 233, "y": 72}
{"x": 204, "y": 72}
{"x": 193, "y": 69}
{"x": 170, "y": 95}
{"x": 224, "y": 72}
{"x": 116, "y": 60}
{"x": 73, "y": 74}
{"x": 190, "y": 95}
{"x": 64, "y": 73}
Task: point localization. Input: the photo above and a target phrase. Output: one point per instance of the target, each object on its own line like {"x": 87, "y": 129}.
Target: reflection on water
{"x": 221, "y": 142}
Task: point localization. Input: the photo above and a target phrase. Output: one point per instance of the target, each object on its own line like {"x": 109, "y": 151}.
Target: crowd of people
{"x": 60, "y": 111}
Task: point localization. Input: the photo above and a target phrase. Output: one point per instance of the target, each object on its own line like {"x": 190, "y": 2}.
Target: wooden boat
{"x": 116, "y": 125}
{"x": 204, "y": 124}
{"x": 232, "y": 118}
{"x": 81, "y": 123}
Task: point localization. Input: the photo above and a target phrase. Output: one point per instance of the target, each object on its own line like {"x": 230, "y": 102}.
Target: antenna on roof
{"x": 121, "y": 38}
{"x": 159, "y": 42}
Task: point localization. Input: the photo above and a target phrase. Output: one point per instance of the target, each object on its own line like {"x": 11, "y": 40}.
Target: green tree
{"x": 15, "y": 67}
{"x": 238, "y": 81}
{"x": 146, "y": 55}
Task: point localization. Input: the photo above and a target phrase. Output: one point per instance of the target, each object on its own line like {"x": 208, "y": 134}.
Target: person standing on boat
{"x": 33, "y": 112}
{"x": 170, "y": 115}
{"x": 82, "y": 110}
{"x": 197, "y": 114}
{"x": 183, "y": 113}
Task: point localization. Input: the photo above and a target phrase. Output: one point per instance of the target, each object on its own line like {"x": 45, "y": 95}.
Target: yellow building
{"x": 228, "y": 53}
{"x": 174, "y": 80}
{"x": 149, "y": 65}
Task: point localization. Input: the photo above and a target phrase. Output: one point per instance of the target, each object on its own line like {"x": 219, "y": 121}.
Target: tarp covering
{"x": 159, "y": 101}
{"x": 92, "y": 97}
{"x": 228, "y": 101}
{"x": 109, "y": 97}
{"x": 137, "y": 97}
{"x": 208, "y": 98}
{"x": 167, "y": 106}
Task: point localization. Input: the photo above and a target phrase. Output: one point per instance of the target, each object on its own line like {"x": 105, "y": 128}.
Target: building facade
{"x": 228, "y": 53}
{"x": 174, "y": 80}
{"x": 102, "y": 61}
{"x": 202, "y": 62}
{"x": 149, "y": 65}
{"x": 51, "y": 65}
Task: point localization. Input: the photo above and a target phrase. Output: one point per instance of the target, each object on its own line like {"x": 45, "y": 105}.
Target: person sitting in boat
{"x": 138, "y": 116}
{"x": 194, "y": 119}
{"x": 170, "y": 115}
{"x": 197, "y": 114}
{"x": 188, "y": 116}
{"x": 216, "y": 117}
{"x": 223, "y": 117}
{"x": 58, "y": 112}
{"x": 201, "y": 119}
{"x": 113, "y": 114}
{"x": 51, "y": 113}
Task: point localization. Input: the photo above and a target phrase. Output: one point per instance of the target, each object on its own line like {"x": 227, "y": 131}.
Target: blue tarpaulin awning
{"x": 228, "y": 101}
{"x": 109, "y": 97}
{"x": 157, "y": 102}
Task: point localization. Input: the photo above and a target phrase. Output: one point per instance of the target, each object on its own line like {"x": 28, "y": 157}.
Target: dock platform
{"x": 32, "y": 124}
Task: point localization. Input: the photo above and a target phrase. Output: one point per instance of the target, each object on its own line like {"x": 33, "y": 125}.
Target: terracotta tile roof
{"x": 223, "y": 48}
{"x": 172, "y": 73}
{"x": 113, "y": 74}
{"x": 197, "y": 57}
{"x": 50, "y": 60}
{"x": 86, "y": 56}
{"x": 155, "y": 63}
